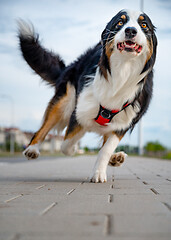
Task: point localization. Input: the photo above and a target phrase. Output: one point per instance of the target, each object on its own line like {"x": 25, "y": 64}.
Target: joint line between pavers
{"x": 81, "y": 183}
{"x": 107, "y": 225}
{"x": 71, "y": 191}
{"x": 145, "y": 183}
{"x": 48, "y": 208}
{"x": 13, "y": 198}
{"x": 40, "y": 187}
{"x": 167, "y": 205}
{"x": 154, "y": 191}
{"x": 110, "y": 198}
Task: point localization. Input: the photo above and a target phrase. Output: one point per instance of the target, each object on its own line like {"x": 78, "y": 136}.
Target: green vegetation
{"x": 151, "y": 149}
{"x": 6, "y": 147}
{"x": 154, "y": 147}
{"x": 133, "y": 150}
{"x": 167, "y": 156}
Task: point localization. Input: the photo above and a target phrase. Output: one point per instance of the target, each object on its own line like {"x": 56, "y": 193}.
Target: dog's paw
{"x": 117, "y": 159}
{"x": 67, "y": 149}
{"x": 99, "y": 177}
{"x": 31, "y": 152}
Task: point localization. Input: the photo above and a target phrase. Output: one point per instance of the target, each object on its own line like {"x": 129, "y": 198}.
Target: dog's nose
{"x": 130, "y": 32}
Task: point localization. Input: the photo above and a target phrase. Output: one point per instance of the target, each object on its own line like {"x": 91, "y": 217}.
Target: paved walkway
{"x": 53, "y": 200}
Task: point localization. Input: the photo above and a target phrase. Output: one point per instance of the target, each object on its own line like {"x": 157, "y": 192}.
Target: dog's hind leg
{"x": 53, "y": 116}
{"x": 57, "y": 115}
{"x": 74, "y": 132}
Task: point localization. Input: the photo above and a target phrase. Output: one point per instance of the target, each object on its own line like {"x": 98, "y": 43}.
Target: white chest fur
{"x": 120, "y": 87}
{"x": 122, "y": 84}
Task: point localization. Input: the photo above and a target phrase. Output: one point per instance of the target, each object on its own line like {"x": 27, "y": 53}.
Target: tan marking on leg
{"x": 64, "y": 101}
{"x": 105, "y": 137}
{"x": 53, "y": 115}
{"x": 70, "y": 135}
{"x": 120, "y": 136}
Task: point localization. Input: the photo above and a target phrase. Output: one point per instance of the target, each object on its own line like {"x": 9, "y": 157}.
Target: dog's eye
{"x": 144, "y": 25}
{"x": 120, "y": 23}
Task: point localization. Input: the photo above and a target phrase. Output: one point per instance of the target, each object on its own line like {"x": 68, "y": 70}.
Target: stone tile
{"x": 53, "y": 199}
{"x": 151, "y": 226}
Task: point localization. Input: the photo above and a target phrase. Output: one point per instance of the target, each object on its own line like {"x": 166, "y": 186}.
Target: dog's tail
{"x": 48, "y": 65}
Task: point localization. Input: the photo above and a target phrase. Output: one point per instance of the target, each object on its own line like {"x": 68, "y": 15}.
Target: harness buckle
{"x": 105, "y": 116}
{"x": 105, "y": 113}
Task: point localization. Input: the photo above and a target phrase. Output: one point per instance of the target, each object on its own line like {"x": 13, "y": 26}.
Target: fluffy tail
{"x": 48, "y": 65}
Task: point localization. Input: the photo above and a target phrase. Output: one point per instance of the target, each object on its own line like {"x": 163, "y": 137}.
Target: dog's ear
{"x": 154, "y": 39}
{"x": 104, "y": 63}
{"x": 106, "y": 36}
{"x": 111, "y": 27}
{"x": 151, "y": 61}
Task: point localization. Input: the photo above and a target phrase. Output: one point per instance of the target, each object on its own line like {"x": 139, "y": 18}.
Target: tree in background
{"x": 155, "y": 149}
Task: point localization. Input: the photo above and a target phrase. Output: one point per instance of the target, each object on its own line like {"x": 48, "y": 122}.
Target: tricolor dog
{"x": 106, "y": 90}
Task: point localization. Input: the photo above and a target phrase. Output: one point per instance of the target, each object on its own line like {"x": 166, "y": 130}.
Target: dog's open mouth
{"x": 129, "y": 46}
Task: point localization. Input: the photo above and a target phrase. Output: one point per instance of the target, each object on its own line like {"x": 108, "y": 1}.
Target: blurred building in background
{"x": 52, "y": 142}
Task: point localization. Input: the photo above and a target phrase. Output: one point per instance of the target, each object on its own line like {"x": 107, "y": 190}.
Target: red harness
{"x": 105, "y": 116}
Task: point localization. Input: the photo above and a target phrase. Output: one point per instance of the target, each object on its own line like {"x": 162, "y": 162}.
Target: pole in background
{"x": 12, "y": 137}
{"x": 52, "y": 142}
{"x": 140, "y": 136}
{"x": 142, "y": 5}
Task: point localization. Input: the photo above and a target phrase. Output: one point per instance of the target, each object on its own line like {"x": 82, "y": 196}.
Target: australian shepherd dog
{"x": 106, "y": 90}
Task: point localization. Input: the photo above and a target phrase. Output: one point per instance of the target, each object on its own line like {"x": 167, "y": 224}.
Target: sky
{"x": 69, "y": 27}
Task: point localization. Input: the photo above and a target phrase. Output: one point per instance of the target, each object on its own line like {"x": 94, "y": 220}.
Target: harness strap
{"x": 105, "y": 116}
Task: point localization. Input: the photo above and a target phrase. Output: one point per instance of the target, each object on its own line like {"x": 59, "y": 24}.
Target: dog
{"x": 106, "y": 90}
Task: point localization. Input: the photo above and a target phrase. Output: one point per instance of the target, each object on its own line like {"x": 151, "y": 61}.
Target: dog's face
{"x": 129, "y": 34}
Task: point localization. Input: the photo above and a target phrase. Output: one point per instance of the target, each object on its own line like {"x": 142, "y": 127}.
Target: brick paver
{"x": 53, "y": 199}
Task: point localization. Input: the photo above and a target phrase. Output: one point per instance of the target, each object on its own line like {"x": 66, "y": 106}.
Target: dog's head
{"x": 130, "y": 34}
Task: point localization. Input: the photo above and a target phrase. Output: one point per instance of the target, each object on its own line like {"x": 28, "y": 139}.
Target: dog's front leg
{"x": 69, "y": 144}
{"x": 74, "y": 132}
{"x": 104, "y": 155}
